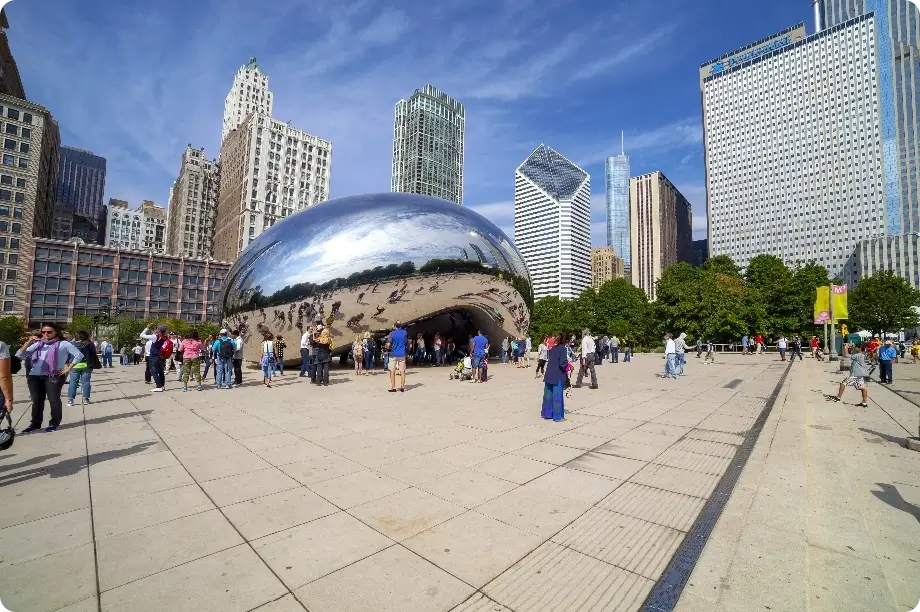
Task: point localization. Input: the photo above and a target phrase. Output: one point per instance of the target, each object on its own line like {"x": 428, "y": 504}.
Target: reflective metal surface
{"x": 360, "y": 263}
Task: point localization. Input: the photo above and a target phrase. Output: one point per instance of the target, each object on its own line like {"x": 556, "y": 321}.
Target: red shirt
{"x": 759, "y": 339}
{"x": 814, "y": 343}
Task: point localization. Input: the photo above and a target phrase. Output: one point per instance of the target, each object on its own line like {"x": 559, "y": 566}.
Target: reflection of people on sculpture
{"x": 360, "y": 297}
{"x": 335, "y": 307}
{"x": 380, "y": 310}
{"x": 419, "y": 290}
{"x": 355, "y": 320}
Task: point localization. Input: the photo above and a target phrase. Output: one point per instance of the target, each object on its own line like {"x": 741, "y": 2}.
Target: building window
{"x": 23, "y": 162}
{"x": 9, "y": 144}
{"x": 19, "y": 198}
{"x": 26, "y": 133}
{"x": 12, "y": 128}
{"x": 10, "y": 291}
{"x": 21, "y": 183}
{"x": 17, "y": 213}
{"x": 9, "y": 160}
{"x": 6, "y": 195}
{"x": 11, "y": 275}
{"x": 14, "y": 244}
{"x": 8, "y": 306}
{"x": 13, "y": 259}
{"x": 23, "y": 147}
{"x": 17, "y": 229}
{"x": 27, "y": 118}
{"x": 12, "y": 113}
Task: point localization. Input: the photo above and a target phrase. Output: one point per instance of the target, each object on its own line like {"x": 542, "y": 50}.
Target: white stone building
{"x": 269, "y": 170}
{"x": 141, "y": 229}
{"x": 193, "y": 206}
{"x": 552, "y": 223}
{"x": 795, "y": 156}
{"x": 249, "y": 94}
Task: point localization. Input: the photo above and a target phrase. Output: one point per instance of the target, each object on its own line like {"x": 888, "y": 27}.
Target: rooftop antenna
{"x": 622, "y": 142}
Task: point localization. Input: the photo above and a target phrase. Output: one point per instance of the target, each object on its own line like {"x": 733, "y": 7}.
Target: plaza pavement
{"x": 456, "y": 496}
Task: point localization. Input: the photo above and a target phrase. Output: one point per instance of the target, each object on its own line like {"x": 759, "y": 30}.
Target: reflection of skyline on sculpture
{"x": 430, "y": 256}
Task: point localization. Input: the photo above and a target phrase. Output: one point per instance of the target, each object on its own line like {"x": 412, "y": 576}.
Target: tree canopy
{"x": 883, "y": 302}
{"x": 713, "y": 302}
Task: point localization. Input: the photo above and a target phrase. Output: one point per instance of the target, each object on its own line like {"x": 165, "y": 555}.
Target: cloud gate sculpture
{"x": 359, "y": 264}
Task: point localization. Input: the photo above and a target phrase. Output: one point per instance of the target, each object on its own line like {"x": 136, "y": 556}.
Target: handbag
{"x": 7, "y": 434}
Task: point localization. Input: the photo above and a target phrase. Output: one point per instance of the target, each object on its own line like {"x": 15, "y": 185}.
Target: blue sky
{"x": 137, "y": 81}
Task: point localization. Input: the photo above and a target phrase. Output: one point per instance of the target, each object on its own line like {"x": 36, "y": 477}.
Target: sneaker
{"x": 51, "y": 428}
{"x": 70, "y": 403}
{"x": 862, "y": 405}
{"x": 31, "y": 428}
{"x": 157, "y": 390}
{"x": 391, "y": 390}
{"x": 402, "y": 389}
{"x": 184, "y": 389}
{"x": 85, "y": 401}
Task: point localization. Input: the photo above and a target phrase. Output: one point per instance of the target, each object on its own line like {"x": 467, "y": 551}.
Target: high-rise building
{"x": 661, "y": 224}
{"x": 193, "y": 206}
{"x": 140, "y": 229}
{"x": 605, "y": 266}
{"x": 700, "y": 252}
{"x": 616, "y": 171}
{"x": 28, "y": 179}
{"x": 897, "y": 28}
{"x": 125, "y": 227}
{"x": 249, "y": 94}
{"x": 154, "y": 227}
{"x": 552, "y": 223}
{"x": 10, "y": 81}
{"x": 795, "y": 155}
{"x": 81, "y": 184}
{"x": 268, "y": 171}
{"x": 428, "y": 145}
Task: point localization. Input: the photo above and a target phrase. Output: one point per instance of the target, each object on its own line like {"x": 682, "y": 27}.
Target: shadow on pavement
{"x": 891, "y": 496}
{"x": 884, "y": 436}
{"x": 106, "y": 419}
{"x": 69, "y": 467}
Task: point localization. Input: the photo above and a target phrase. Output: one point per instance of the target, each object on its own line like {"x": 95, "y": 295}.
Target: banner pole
{"x": 833, "y": 351}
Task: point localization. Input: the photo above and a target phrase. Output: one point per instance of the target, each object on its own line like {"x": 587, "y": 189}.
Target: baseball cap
{"x": 319, "y": 327}
{"x": 224, "y": 332}
{"x": 161, "y": 328}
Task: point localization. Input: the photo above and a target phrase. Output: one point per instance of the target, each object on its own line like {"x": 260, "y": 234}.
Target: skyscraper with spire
{"x": 249, "y": 94}
{"x": 616, "y": 172}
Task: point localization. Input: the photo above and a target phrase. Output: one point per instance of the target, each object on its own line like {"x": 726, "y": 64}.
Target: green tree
{"x": 772, "y": 281}
{"x": 805, "y": 280}
{"x": 12, "y": 331}
{"x": 584, "y": 312}
{"x": 883, "y": 303}
{"x": 550, "y": 315}
{"x": 722, "y": 264}
{"x": 81, "y": 322}
{"x": 623, "y": 310}
{"x": 706, "y": 304}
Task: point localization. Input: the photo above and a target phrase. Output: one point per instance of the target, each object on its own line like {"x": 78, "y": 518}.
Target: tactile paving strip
{"x": 664, "y": 595}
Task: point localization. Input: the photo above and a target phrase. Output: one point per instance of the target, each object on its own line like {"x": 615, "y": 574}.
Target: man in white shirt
{"x": 587, "y": 359}
{"x": 147, "y": 370}
{"x": 528, "y": 347}
{"x": 305, "y": 352}
{"x": 670, "y": 356}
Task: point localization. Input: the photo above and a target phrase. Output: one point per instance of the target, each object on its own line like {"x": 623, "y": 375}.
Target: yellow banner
{"x": 823, "y": 305}
{"x": 839, "y": 297}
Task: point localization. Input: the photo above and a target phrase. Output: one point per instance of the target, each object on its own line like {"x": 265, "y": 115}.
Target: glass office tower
{"x": 616, "y": 172}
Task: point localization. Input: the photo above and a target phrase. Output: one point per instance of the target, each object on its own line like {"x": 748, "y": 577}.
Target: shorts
{"x": 477, "y": 361}
{"x": 397, "y": 364}
{"x": 857, "y": 382}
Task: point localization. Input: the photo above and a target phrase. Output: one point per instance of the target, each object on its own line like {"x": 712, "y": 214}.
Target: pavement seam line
{"x": 667, "y": 590}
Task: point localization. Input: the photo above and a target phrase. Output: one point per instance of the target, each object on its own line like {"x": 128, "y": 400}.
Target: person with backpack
{"x": 237, "y": 358}
{"x": 52, "y": 358}
{"x": 269, "y": 359}
{"x": 82, "y": 372}
{"x": 224, "y": 348}
{"x": 161, "y": 349}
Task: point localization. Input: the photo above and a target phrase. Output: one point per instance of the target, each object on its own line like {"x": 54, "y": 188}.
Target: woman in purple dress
{"x": 554, "y": 381}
